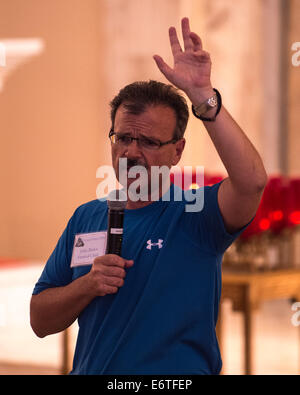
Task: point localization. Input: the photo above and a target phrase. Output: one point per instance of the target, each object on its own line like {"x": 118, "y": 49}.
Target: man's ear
{"x": 179, "y": 146}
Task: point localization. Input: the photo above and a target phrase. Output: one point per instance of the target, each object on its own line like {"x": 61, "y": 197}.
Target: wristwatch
{"x": 212, "y": 102}
{"x": 206, "y": 106}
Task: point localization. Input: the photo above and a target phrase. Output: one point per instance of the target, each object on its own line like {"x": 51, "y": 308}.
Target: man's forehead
{"x": 153, "y": 117}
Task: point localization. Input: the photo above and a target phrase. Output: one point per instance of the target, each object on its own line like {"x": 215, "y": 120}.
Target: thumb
{"x": 163, "y": 67}
{"x": 129, "y": 263}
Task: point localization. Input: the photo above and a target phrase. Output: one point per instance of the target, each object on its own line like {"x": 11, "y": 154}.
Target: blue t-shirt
{"x": 162, "y": 321}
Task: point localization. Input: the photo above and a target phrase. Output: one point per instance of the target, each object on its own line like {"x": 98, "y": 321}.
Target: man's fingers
{"x": 107, "y": 289}
{"x": 196, "y": 41}
{"x": 113, "y": 260}
{"x": 113, "y": 281}
{"x": 186, "y": 31}
{"x": 108, "y": 273}
{"x": 113, "y": 271}
{"x": 129, "y": 263}
{"x": 175, "y": 45}
{"x": 163, "y": 67}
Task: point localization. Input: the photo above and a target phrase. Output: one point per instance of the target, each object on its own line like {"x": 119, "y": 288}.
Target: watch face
{"x": 213, "y": 101}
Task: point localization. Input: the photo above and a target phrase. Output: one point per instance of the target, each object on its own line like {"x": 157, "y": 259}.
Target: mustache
{"x": 135, "y": 162}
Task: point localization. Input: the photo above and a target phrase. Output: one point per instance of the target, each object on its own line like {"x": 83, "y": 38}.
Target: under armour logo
{"x": 158, "y": 244}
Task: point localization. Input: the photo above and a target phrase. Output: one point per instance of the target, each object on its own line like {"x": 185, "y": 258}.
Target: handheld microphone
{"x": 116, "y": 202}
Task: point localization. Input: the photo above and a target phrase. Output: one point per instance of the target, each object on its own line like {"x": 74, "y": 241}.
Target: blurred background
{"x": 61, "y": 62}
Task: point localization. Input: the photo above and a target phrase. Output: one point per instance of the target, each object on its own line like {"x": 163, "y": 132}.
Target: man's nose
{"x": 133, "y": 150}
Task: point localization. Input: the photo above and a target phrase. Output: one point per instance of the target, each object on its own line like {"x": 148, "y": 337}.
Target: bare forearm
{"x": 241, "y": 160}
{"x": 55, "y": 309}
{"x": 240, "y": 194}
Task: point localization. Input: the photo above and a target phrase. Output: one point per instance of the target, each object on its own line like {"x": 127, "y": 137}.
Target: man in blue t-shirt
{"x": 154, "y": 309}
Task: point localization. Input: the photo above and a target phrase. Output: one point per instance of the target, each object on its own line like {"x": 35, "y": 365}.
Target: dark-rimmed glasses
{"x": 124, "y": 140}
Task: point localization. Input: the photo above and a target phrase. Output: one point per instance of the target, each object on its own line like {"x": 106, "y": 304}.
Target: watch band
{"x": 210, "y": 106}
{"x": 206, "y": 106}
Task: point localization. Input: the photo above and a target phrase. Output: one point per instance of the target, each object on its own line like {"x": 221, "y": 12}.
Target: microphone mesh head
{"x": 117, "y": 200}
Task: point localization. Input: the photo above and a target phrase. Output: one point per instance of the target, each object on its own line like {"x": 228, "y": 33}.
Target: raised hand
{"x": 192, "y": 67}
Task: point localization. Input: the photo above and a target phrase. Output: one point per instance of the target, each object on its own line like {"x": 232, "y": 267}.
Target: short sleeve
{"x": 217, "y": 236}
{"x": 57, "y": 271}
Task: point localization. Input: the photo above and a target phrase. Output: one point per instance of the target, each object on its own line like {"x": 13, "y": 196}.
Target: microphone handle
{"x": 115, "y": 232}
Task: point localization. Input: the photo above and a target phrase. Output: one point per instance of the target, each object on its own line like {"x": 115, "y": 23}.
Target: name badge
{"x": 87, "y": 246}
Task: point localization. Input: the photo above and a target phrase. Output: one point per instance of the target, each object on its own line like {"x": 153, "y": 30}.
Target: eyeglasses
{"x": 124, "y": 140}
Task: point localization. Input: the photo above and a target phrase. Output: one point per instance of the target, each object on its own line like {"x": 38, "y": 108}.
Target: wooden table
{"x": 248, "y": 290}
